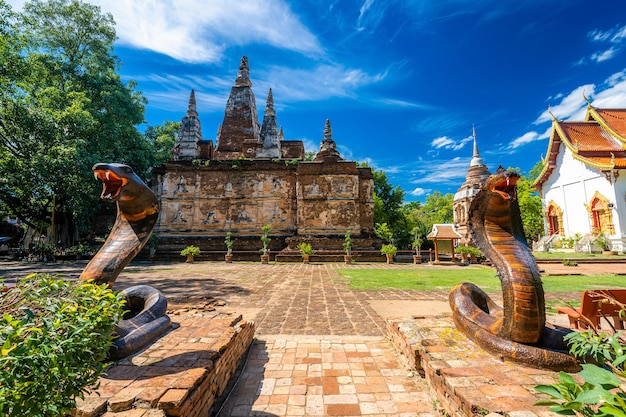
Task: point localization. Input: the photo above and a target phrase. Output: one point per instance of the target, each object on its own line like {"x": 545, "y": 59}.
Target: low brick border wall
{"x": 467, "y": 381}
{"x": 181, "y": 374}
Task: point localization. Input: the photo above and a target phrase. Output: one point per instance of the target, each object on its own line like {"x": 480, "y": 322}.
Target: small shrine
{"x": 251, "y": 177}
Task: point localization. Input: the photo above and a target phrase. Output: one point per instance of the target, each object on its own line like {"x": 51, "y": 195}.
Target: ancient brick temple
{"x": 252, "y": 177}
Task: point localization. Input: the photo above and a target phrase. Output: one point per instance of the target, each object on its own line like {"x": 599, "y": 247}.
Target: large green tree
{"x": 388, "y": 202}
{"x": 162, "y": 137}
{"x": 64, "y": 107}
{"x": 530, "y": 204}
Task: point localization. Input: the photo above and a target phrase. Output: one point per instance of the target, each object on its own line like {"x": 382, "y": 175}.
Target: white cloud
{"x": 610, "y": 94}
{"x": 440, "y": 171}
{"x": 604, "y": 55}
{"x": 419, "y": 191}
{"x": 570, "y": 106}
{"x": 614, "y": 95}
{"x": 448, "y": 143}
{"x": 317, "y": 83}
{"x": 197, "y": 30}
{"x": 614, "y": 37}
{"x": 526, "y": 138}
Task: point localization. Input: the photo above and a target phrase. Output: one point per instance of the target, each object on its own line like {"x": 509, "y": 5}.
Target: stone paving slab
{"x": 327, "y": 376}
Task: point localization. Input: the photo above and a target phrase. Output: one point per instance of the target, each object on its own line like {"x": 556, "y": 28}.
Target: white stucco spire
{"x": 476, "y": 159}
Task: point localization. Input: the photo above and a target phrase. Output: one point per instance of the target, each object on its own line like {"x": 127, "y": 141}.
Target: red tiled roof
{"x": 615, "y": 118}
{"x": 590, "y": 141}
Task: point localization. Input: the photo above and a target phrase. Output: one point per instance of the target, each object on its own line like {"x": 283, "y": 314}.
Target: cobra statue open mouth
{"x": 112, "y": 183}
{"x": 517, "y": 331}
{"x": 137, "y": 212}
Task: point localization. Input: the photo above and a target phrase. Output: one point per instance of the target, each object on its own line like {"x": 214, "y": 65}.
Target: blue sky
{"x": 402, "y": 82}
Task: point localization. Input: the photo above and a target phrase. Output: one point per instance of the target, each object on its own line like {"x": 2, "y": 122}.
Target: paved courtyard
{"x": 320, "y": 347}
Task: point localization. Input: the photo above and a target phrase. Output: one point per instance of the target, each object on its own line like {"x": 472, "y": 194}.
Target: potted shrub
{"x": 417, "y": 244}
{"x": 467, "y": 252}
{"x": 306, "y": 250}
{"x": 389, "y": 251}
{"x": 190, "y": 252}
{"x": 347, "y": 246}
{"x": 265, "y": 240}
{"x": 229, "y": 248}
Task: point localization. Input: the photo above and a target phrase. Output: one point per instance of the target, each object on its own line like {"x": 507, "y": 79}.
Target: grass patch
{"x": 446, "y": 278}
{"x": 573, "y": 255}
{"x": 420, "y": 279}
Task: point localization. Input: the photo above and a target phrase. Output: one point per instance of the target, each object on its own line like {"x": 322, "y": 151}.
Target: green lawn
{"x": 573, "y": 255}
{"x": 445, "y": 278}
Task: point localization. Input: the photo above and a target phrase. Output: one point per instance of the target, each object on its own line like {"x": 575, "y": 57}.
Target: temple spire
{"x": 269, "y": 104}
{"x": 243, "y": 77}
{"x": 191, "y": 107}
{"x": 269, "y": 139}
{"x": 328, "y": 147}
{"x": 476, "y": 159}
{"x": 475, "y": 154}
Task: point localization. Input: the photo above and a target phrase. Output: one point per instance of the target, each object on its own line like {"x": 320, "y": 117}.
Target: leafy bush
{"x": 388, "y": 249}
{"x": 305, "y": 248}
{"x": 347, "y": 243}
{"x": 265, "y": 239}
{"x": 603, "y": 390}
{"x": 190, "y": 250}
{"x": 228, "y": 240}
{"x": 468, "y": 250}
{"x": 54, "y": 338}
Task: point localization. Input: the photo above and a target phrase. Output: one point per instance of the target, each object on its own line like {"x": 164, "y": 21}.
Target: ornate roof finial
{"x": 243, "y": 77}
{"x": 551, "y": 114}
{"x": 191, "y": 107}
{"x": 269, "y": 104}
{"x": 281, "y": 134}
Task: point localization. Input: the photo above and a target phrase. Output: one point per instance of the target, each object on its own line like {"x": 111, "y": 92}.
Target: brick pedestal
{"x": 181, "y": 374}
{"x": 466, "y": 380}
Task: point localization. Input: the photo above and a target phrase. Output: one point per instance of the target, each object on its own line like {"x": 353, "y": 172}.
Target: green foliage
{"x": 603, "y": 241}
{"x": 229, "y": 242}
{"x": 190, "y": 250}
{"x": 383, "y": 231}
{"x": 602, "y": 392}
{"x": 54, "y": 338}
{"x": 388, "y": 202}
{"x": 469, "y": 250}
{"x": 347, "y": 243}
{"x": 153, "y": 242}
{"x": 305, "y": 248}
{"x": 388, "y": 249}
{"x": 265, "y": 239}
{"x": 162, "y": 137}
{"x": 63, "y": 107}
{"x": 530, "y": 204}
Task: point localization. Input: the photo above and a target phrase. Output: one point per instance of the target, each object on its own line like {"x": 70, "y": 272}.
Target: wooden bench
{"x": 593, "y": 306}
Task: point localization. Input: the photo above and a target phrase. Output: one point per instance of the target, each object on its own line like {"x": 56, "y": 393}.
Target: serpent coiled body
{"x": 516, "y": 331}
{"x": 137, "y": 212}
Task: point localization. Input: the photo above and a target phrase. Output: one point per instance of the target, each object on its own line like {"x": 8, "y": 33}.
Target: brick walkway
{"x": 320, "y": 347}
